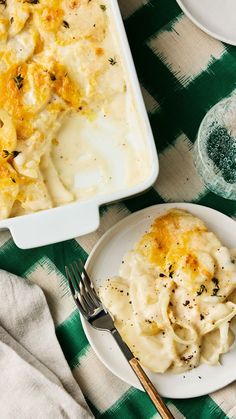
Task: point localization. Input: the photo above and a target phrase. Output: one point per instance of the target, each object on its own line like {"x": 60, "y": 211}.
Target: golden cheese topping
{"x": 175, "y": 297}
{"x": 179, "y": 242}
{"x": 169, "y": 233}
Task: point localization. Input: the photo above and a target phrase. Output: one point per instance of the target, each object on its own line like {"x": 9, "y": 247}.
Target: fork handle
{"x": 143, "y": 378}
{"x": 150, "y": 389}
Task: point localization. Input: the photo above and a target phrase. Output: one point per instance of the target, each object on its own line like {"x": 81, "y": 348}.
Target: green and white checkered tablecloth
{"x": 183, "y": 72}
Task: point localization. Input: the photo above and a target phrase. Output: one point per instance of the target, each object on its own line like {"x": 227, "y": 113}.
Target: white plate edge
{"x": 202, "y": 27}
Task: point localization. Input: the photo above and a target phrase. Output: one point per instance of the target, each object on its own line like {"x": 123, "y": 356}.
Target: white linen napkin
{"x": 35, "y": 379}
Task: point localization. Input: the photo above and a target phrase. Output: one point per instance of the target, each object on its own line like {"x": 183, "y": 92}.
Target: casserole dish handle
{"x": 54, "y": 225}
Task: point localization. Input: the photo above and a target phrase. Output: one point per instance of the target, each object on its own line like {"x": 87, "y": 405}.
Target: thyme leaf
{"x": 112, "y": 61}
{"x": 7, "y": 153}
{"x": 32, "y": 1}
{"x": 19, "y": 81}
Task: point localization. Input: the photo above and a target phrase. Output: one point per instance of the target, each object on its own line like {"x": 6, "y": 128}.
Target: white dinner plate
{"x": 215, "y": 17}
{"x": 105, "y": 261}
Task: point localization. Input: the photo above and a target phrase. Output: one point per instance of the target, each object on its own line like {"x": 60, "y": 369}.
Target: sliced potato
{"x": 9, "y": 187}
{"x": 48, "y": 17}
{"x": 3, "y": 28}
{"x": 65, "y": 87}
{"x": 60, "y": 195}
{"x": 31, "y": 150}
{"x": 37, "y": 88}
{"x": 82, "y": 20}
{"x": 8, "y": 138}
{"x": 33, "y": 195}
{"x": 18, "y": 49}
{"x": 18, "y": 14}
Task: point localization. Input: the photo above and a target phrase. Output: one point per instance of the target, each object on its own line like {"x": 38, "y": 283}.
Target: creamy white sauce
{"x": 96, "y": 156}
{"x": 108, "y": 152}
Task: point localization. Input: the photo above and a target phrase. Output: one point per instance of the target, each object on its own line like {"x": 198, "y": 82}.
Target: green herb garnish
{"x": 19, "y": 81}
{"x": 112, "y": 61}
{"x": 7, "y": 153}
{"x": 32, "y": 1}
{"x": 103, "y": 7}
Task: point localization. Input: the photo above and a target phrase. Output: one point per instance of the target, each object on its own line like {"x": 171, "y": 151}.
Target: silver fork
{"x": 91, "y": 308}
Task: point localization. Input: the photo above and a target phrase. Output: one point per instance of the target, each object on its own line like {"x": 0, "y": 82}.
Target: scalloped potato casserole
{"x": 64, "y": 103}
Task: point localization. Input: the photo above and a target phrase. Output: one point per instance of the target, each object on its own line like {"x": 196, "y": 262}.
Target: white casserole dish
{"x": 79, "y": 218}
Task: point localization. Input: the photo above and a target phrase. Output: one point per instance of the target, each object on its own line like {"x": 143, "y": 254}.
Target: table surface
{"x": 183, "y": 72}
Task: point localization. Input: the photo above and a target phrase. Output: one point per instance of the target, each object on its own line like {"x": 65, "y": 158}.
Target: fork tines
{"x": 82, "y": 289}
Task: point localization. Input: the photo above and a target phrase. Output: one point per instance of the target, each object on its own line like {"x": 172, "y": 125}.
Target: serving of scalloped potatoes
{"x": 174, "y": 299}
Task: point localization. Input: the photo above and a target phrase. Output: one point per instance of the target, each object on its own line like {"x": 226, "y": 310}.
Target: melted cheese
{"x": 174, "y": 300}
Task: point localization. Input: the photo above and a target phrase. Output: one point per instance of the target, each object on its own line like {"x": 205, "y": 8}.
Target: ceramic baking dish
{"x": 79, "y": 218}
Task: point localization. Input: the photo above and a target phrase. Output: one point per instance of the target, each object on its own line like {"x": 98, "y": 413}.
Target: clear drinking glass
{"x": 215, "y": 149}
